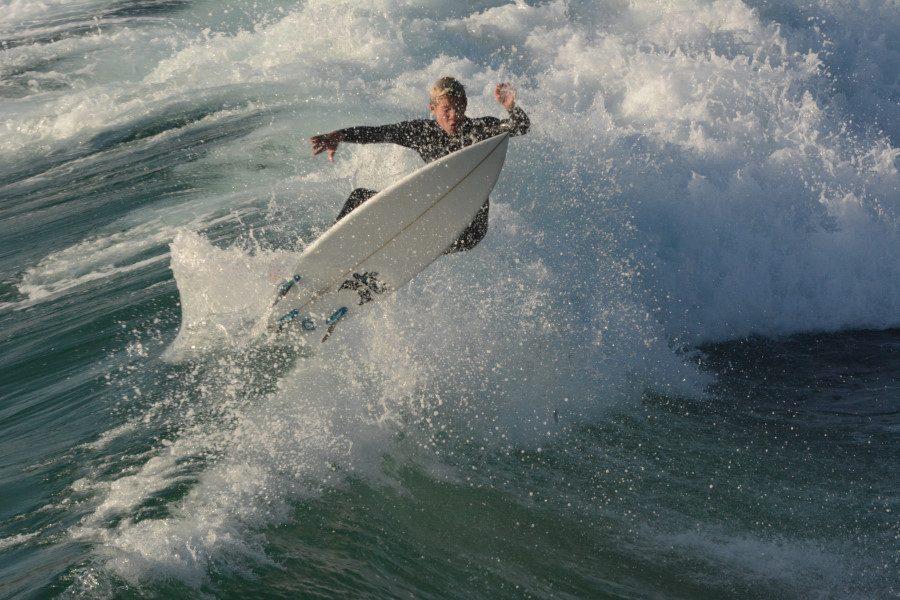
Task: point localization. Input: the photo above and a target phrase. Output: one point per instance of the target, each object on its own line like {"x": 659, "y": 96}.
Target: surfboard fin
{"x": 286, "y": 286}
{"x": 332, "y": 321}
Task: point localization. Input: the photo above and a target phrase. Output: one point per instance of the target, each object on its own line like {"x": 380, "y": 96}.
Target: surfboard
{"x": 386, "y": 241}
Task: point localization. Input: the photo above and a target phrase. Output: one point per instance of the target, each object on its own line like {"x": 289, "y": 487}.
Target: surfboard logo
{"x": 306, "y": 323}
{"x": 365, "y": 285}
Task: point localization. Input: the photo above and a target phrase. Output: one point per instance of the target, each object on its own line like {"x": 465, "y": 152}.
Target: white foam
{"x": 13, "y": 12}
{"x": 109, "y": 436}
{"x": 487, "y": 343}
{"x": 223, "y": 292}
{"x": 754, "y": 211}
{"x": 91, "y": 260}
{"x": 273, "y": 450}
{"x": 802, "y": 564}
{"x": 15, "y": 540}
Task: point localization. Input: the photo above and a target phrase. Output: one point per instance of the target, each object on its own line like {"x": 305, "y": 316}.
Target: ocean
{"x": 670, "y": 370}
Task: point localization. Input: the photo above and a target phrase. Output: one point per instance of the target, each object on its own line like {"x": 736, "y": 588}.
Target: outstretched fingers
{"x": 317, "y": 147}
{"x": 324, "y": 143}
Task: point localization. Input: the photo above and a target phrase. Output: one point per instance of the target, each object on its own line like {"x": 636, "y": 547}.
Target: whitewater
{"x": 669, "y": 370}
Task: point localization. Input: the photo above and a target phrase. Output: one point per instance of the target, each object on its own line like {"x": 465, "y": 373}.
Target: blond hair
{"x": 447, "y": 86}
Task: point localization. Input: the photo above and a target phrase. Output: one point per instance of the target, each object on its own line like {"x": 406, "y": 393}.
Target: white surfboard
{"x": 387, "y": 240}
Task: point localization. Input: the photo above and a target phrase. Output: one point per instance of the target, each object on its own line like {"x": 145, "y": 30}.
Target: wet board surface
{"x": 386, "y": 241}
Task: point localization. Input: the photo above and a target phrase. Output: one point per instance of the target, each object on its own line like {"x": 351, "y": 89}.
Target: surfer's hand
{"x": 327, "y": 142}
{"x": 505, "y": 95}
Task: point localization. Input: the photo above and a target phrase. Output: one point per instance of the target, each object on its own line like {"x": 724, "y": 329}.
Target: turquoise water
{"x": 670, "y": 370}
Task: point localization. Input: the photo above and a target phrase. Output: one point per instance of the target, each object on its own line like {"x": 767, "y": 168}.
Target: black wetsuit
{"x": 431, "y": 142}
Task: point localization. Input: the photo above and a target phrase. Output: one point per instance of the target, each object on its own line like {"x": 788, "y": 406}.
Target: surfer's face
{"x": 449, "y": 113}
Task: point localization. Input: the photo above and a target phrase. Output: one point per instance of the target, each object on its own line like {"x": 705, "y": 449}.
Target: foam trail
{"x": 91, "y": 260}
{"x": 496, "y": 350}
{"x": 15, "y": 540}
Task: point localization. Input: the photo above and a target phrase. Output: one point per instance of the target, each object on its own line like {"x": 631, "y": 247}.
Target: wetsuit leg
{"x": 474, "y": 233}
{"x": 357, "y": 197}
{"x": 469, "y": 238}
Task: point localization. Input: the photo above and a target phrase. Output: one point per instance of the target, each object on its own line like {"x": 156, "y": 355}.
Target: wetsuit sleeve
{"x": 403, "y": 134}
{"x": 517, "y": 123}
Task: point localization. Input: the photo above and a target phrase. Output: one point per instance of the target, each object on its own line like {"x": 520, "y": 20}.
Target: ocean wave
{"x": 692, "y": 175}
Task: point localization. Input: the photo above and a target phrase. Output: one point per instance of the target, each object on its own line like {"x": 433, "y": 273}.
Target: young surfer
{"x": 449, "y": 131}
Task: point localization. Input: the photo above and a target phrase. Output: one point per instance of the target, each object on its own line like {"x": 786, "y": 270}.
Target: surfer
{"x": 449, "y": 131}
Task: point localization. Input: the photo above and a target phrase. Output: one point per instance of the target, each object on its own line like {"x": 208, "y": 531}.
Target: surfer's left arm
{"x": 518, "y": 122}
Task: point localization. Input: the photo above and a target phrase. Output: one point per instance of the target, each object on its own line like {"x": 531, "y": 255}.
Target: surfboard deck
{"x": 386, "y": 241}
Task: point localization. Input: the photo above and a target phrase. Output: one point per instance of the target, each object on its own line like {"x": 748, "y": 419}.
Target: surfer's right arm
{"x": 403, "y": 134}
{"x": 326, "y": 142}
